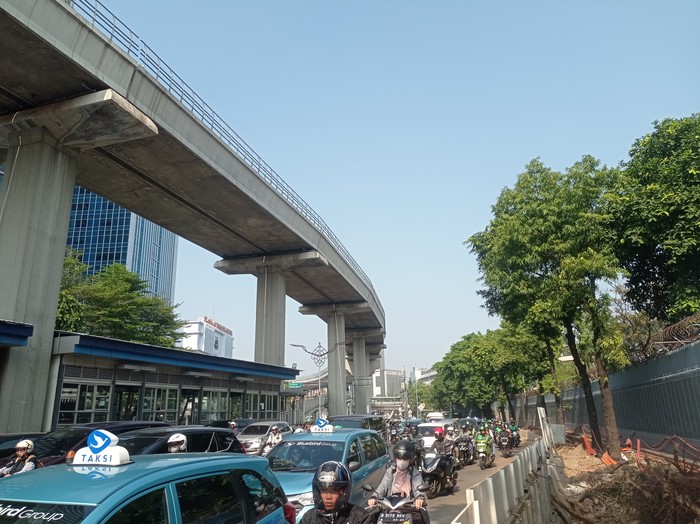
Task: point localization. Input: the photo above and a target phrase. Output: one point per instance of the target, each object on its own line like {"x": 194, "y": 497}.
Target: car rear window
{"x": 59, "y": 442}
{"x": 428, "y": 430}
{"x": 346, "y": 422}
{"x": 38, "y": 512}
{"x": 255, "y": 429}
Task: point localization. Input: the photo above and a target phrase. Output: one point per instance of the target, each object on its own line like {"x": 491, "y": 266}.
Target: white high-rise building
{"x": 209, "y": 337}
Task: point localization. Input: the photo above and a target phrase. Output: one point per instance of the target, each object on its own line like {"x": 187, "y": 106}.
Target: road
{"x": 444, "y": 509}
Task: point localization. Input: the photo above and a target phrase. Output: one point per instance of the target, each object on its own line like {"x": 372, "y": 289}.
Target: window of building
{"x": 84, "y": 403}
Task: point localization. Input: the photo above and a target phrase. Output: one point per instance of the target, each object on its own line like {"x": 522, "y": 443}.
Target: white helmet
{"x": 450, "y": 428}
{"x": 177, "y": 442}
{"x": 28, "y": 444}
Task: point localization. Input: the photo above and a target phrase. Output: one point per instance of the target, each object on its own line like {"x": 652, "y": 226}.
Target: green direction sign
{"x": 292, "y": 385}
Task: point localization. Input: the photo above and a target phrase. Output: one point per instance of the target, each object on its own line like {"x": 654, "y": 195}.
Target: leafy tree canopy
{"x": 114, "y": 304}
{"x": 656, "y": 213}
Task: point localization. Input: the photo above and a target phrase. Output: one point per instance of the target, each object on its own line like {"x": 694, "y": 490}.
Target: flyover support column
{"x": 270, "y": 316}
{"x": 337, "y": 388}
{"x": 362, "y": 376}
{"x": 35, "y": 202}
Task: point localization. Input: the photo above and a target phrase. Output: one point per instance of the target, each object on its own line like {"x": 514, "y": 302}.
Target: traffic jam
{"x": 354, "y": 468}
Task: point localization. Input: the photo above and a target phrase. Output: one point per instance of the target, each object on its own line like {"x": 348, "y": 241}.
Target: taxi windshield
{"x": 15, "y": 511}
{"x": 304, "y": 455}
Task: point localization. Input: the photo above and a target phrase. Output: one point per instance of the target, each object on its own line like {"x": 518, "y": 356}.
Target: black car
{"x": 8, "y": 441}
{"x": 199, "y": 439}
{"x": 59, "y": 445}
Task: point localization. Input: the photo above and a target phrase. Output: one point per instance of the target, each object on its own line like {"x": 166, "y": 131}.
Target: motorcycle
{"x": 505, "y": 444}
{"x": 516, "y": 438}
{"x": 395, "y": 508}
{"x": 393, "y": 436}
{"x": 465, "y": 447}
{"x": 435, "y": 474}
{"x": 486, "y": 458}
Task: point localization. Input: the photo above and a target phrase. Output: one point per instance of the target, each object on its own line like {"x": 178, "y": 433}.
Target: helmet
{"x": 450, "y": 428}
{"x": 177, "y": 442}
{"x": 404, "y": 449}
{"x": 274, "y": 428}
{"x": 332, "y": 474}
{"x": 439, "y": 432}
{"x": 28, "y": 444}
{"x": 232, "y": 423}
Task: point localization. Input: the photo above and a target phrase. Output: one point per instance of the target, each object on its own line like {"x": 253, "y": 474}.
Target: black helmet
{"x": 336, "y": 475}
{"x": 404, "y": 449}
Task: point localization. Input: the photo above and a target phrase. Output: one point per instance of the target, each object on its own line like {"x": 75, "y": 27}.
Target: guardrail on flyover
{"x": 119, "y": 34}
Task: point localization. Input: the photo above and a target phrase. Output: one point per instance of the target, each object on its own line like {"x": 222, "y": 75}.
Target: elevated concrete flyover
{"x": 84, "y": 100}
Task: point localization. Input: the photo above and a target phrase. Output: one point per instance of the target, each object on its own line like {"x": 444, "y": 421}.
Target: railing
{"x": 102, "y": 19}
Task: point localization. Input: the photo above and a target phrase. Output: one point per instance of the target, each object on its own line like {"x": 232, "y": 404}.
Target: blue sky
{"x": 400, "y": 122}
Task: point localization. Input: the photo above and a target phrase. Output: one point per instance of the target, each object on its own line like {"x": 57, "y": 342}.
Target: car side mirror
{"x": 354, "y": 465}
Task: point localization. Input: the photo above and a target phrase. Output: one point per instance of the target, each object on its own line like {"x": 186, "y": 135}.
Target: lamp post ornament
{"x": 319, "y": 355}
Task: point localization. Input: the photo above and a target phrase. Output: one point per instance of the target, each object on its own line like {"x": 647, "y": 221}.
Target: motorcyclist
{"x": 177, "y": 443}
{"x": 23, "y": 460}
{"x": 332, "y": 485}
{"x": 273, "y": 438}
{"x": 514, "y": 430}
{"x": 450, "y": 436}
{"x": 402, "y": 478}
{"x": 484, "y": 436}
{"x": 440, "y": 447}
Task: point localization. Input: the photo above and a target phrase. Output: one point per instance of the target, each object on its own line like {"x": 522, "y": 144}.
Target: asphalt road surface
{"x": 444, "y": 509}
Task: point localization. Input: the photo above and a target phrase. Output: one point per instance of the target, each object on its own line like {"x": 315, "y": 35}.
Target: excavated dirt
{"x": 653, "y": 490}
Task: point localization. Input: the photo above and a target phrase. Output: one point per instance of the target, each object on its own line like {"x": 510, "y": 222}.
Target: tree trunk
{"x": 585, "y": 384}
{"x": 609, "y": 418}
{"x": 559, "y": 412}
{"x": 521, "y": 417}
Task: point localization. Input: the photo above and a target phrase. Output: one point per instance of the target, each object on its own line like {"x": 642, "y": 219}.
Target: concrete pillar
{"x": 35, "y": 201}
{"x": 363, "y": 381}
{"x": 336, "y": 364}
{"x": 270, "y": 316}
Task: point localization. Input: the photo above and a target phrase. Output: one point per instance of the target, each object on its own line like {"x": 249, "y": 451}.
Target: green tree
{"x": 70, "y": 310}
{"x": 656, "y": 214}
{"x": 113, "y": 303}
{"x": 547, "y": 247}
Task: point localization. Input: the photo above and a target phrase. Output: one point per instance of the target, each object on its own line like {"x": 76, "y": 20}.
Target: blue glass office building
{"x": 107, "y": 233}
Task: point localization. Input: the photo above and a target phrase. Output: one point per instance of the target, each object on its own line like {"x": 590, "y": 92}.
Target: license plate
{"x": 394, "y": 517}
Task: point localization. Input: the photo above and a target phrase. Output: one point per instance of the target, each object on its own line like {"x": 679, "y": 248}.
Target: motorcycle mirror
{"x": 367, "y": 487}
{"x": 354, "y": 465}
{"x": 423, "y": 487}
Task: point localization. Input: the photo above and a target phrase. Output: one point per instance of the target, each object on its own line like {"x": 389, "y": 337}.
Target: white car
{"x": 254, "y": 435}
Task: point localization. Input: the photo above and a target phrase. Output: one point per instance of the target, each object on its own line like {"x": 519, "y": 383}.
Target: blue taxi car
{"x": 295, "y": 459}
{"x": 105, "y": 485}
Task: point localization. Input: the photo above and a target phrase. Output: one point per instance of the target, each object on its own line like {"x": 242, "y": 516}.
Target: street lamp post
{"x": 319, "y": 355}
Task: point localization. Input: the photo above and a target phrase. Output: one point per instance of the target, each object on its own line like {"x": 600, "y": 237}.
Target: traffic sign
{"x": 293, "y": 385}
